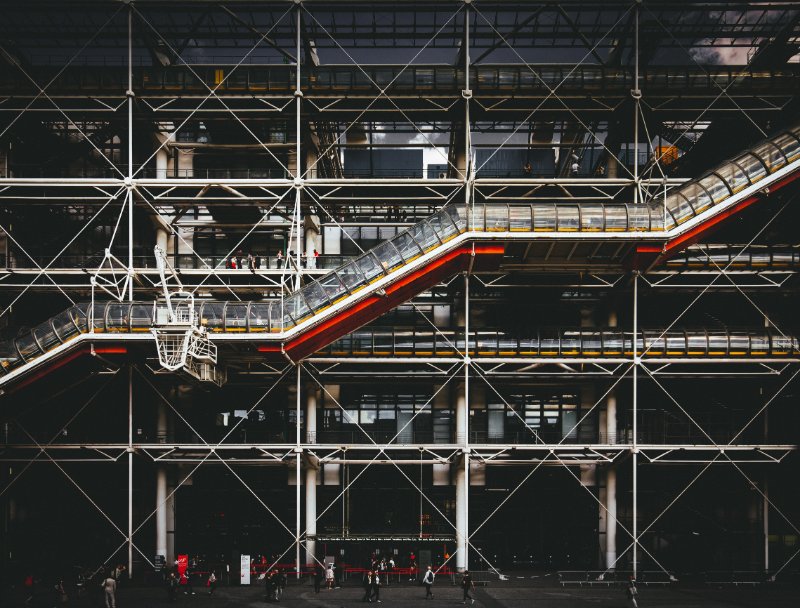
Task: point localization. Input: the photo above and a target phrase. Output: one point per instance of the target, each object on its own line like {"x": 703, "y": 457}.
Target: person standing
{"x": 467, "y": 585}
{"x": 427, "y": 580}
{"x": 172, "y": 586}
{"x": 631, "y": 591}
{"x": 109, "y": 586}
{"x": 62, "y": 599}
{"x": 329, "y": 577}
{"x": 319, "y": 576}
{"x": 212, "y": 583}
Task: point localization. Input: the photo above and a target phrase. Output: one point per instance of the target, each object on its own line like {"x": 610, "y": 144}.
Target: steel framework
{"x": 212, "y": 129}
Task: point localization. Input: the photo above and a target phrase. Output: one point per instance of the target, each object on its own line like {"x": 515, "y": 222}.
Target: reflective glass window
{"x": 458, "y": 213}
{"x": 443, "y": 225}
{"x": 423, "y": 233}
{"x": 571, "y": 343}
{"x": 616, "y": 218}
{"x": 212, "y": 315}
{"x": 387, "y": 256}
{"x": 333, "y": 287}
{"x": 46, "y": 336}
{"x": 697, "y": 344}
{"x": 698, "y": 198}
{"x": 612, "y": 343}
{"x": 295, "y": 309}
{"x": 591, "y": 343}
{"x": 27, "y": 347}
{"x": 64, "y": 325}
{"x": 789, "y": 145}
{"x": 753, "y": 167}
{"x": 676, "y": 344}
{"x": 781, "y": 345}
{"x": 496, "y": 218}
{"x": 141, "y": 316}
{"x": 258, "y": 316}
{"x": 519, "y": 218}
{"x": 407, "y": 246}
{"x": 638, "y": 217}
{"x": 549, "y": 343}
{"x": 715, "y": 187}
{"x": 739, "y": 344}
{"x": 770, "y": 155}
{"x": 654, "y": 344}
{"x": 529, "y": 346}
{"x": 717, "y": 344}
{"x": 734, "y": 176}
{"x": 236, "y": 316}
{"x": 592, "y": 217}
{"x": 679, "y": 207}
{"x": 117, "y": 318}
{"x": 568, "y": 218}
{"x": 314, "y": 296}
{"x": 544, "y": 217}
{"x": 366, "y": 266}
{"x": 759, "y": 344}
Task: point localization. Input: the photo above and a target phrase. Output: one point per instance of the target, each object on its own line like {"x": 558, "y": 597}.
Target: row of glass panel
{"x": 732, "y": 177}
{"x": 282, "y": 77}
{"x": 555, "y": 343}
{"x": 735, "y": 258}
{"x": 114, "y": 317}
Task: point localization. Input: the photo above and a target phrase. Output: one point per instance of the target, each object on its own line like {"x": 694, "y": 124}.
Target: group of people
{"x": 239, "y": 261}
{"x": 275, "y": 583}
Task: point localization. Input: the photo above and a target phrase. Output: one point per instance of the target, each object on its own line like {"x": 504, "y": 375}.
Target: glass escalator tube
{"x": 258, "y": 317}
{"x": 770, "y": 155}
{"x": 789, "y": 145}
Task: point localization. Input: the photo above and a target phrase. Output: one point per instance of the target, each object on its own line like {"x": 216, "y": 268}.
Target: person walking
{"x": 467, "y": 585}
{"x": 212, "y": 583}
{"x": 329, "y": 577}
{"x": 366, "y": 582}
{"x": 172, "y": 586}
{"x": 375, "y": 587}
{"x": 109, "y": 586}
{"x": 62, "y": 599}
{"x": 427, "y": 580}
{"x": 631, "y": 591}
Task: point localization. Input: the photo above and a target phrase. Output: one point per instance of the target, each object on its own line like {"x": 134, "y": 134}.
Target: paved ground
{"x": 498, "y": 595}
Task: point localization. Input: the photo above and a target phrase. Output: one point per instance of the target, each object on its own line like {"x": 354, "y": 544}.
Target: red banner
{"x": 183, "y": 564}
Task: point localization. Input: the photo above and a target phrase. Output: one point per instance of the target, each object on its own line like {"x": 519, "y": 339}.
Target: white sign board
{"x": 245, "y": 570}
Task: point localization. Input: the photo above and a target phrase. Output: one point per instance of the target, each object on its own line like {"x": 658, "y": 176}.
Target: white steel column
{"x": 634, "y": 439}
{"x": 298, "y": 453}
{"x": 311, "y": 478}
{"x": 462, "y": 438}
{"x": 161, "y": 488}
{"x": 765, "y": 516}
{"x": 129, "y": 178}
{"x": 130, "y": 472}
{"x": 611, "y": 484}
{"x": 611, "y": 517}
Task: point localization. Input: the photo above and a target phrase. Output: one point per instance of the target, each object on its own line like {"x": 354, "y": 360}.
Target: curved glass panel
{"x": 236, "y": 316}
{"x": 571, "y": 343}
{"x": 676, "y": 344}
{"x": 333, "y": 287}
{"x": 716, "y": 188}
{"x": 592, "y": 344}
{"x": 424, "y": 234}
{"x": 739, "y": 344}
{"x": 734, "y": 176}
{"x": 496, "y": 218}
{"x": 258, "y": 316}
{"x": 544, "y": 217}
{"x": 315, "y": 296}
{"x": 759, "y": 345}
{"x": 616, "y": 218}
{"x": 612, "y": 343}
{"x": 568, "y": 218}
{"x": 387, "y": 256}
{"x": 679, "y": 208}
{"x": 27, "y": 347}
{"x": 141, "y": 316}
{"x": 789, "y": 145}
{"x": 99, "y": 316}
{"x": 351, "y": 276}
{"x": 698, "y": 198}
{"x": 487, "y": 343}
{"x": 212, "y": 315}
{"x": 64, "y": 325}
{"x": 458, "y": 215}
{"x": 770, "y": 155}
{"x": 295, "y": 310}
{"x": 639, "y": 217}
{"x": 519, "y": 218}
{"x": 80, "y": 315}
{"x": 592, "y": 218}
{"x": 477, "y": 218}
{"x": 366, "y": 267}
{"x": 697, "y": 344}
{"x": 117, "y": 317}
{"x": 442, "y": 224}
{"x": 45, "y": 336}
{"x": 753, "y": 167}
